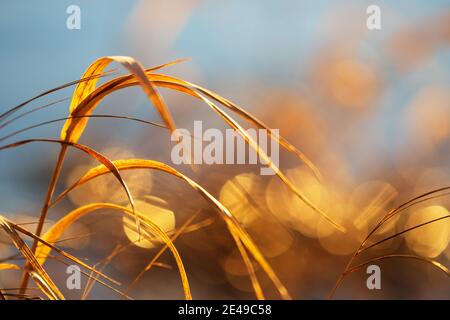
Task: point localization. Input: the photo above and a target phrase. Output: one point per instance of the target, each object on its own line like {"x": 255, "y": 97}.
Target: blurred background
{"x": 371, "y": 108}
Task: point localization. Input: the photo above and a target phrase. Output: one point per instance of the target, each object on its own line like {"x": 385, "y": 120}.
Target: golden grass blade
{"x": 44, "y": 286}
{"x": 95, "y": 116}
{"x": 416, "y": 200}
{"x": 434, "y": 263}
{"x": 9, "y": 266}
{"x": 38, "y": 273}
{"x": 44, "y": 210}
{"x": 77, "y": 237}
{"x": 56, "y": 230}
{"x": 232, "y": 224}
{"x": 402, "y": 232}
{"x": 94, "y": 154}
{"x": 90, "y": 283}
{"x": 82, "y": 104}
{"x": 54, "y": 233}
{"x": 9, "y": 112}
{"x": 249, "y": 265}
{"x": 24, "y": 114}
{"x": 167, "y": 64}
{"x": 20, "y": 296}
{"x": 433, "y": 194}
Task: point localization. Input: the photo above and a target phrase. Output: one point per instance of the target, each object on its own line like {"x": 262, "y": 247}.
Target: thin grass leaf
{"x": 42, "y": 279}
{"x": 434, "y": 263}
{"x": 104, "y": 263}
{"x": 92, "y": 153}
{"x": 20, "y": 116}
{"x": 402, "y": 232}
{"x": 12, "y": 110}
{"x": 9, "y": 266}
{"x": 96, "y": 116}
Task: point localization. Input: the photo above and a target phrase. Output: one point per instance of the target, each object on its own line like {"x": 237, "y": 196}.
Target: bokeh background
{"x": 370, "y": 108}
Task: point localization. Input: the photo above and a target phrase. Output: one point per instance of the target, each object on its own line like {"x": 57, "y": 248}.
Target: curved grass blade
{"x": 402, "y": 232}
{"x": 94, "y": 154}
{"x": 82, "y": 104}
{"x": 95, "y": 116}
{"x": 90, "y": 283}
{"x": 9, "y": 266}
{"x": 58, "y": 228}
{"x": 434, "y": 263}
{"x": 12, "y": 110}
{"x": 20, "y": 116}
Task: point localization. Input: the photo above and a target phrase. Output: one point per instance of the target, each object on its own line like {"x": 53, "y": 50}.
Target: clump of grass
{"x": 86, "y": 98}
